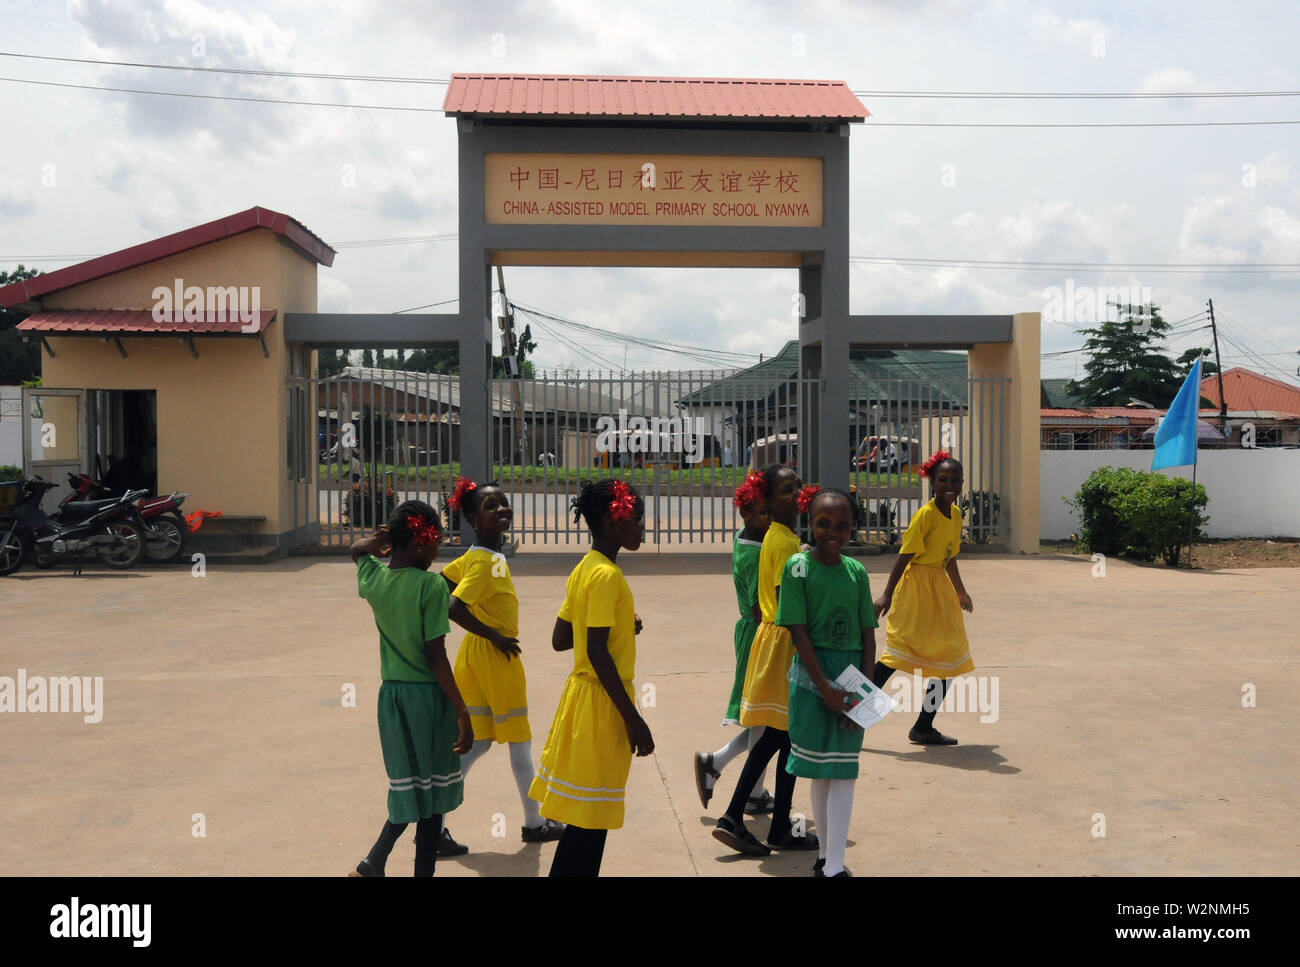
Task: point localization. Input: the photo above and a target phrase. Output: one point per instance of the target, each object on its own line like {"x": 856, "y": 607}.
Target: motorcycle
{"x": 165, "y": 527}
{"x": 111, "y": 529}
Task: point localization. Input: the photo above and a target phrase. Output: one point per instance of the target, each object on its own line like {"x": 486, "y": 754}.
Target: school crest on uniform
{"x": 837, "y": 628}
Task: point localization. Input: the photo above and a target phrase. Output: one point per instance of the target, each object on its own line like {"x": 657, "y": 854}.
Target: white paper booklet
{"x": 873, "y": 704}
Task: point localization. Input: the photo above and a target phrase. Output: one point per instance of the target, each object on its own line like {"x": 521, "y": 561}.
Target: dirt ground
{"x": 1136, "y": 722}
{"x": 1222, "y": 554}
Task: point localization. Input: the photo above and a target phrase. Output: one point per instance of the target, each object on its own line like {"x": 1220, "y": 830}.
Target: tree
{"x": 331, "y": 362}
{"x": 19, "y": 361}
{"x": 367, "y": 358}
{"x": 1208, "y": 366}
{"x": 1126, "y": 360}
{"x": 524, "y": 345}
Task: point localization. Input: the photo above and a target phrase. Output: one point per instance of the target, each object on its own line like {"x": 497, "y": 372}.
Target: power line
{"x": 1244, "y": 268}
{"x": 1068, "y": 95}
{"x": 369, "y": 78}
{"x": 874, "y": 123}
{"x": 224, "y": 97}
{"x": 442, "y": 81}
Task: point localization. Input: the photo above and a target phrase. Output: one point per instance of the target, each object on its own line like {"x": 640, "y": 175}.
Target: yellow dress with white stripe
{"x": 493, "y": 686}
{"x": 925, "y": 632}
{"x": 587, "y": 757}
{"x": 765, "y": 697}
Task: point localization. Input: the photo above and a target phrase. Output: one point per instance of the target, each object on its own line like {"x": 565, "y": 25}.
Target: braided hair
{"x": 937, "y": 459}
{"x": 601, "y": 496}
{"x": 414, "y": 524}
{"x": 468, "y": 495}
{"x": 855, "y": 508}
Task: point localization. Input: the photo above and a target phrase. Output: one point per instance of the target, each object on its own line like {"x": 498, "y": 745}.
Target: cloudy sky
{"x": 86, "y": 171}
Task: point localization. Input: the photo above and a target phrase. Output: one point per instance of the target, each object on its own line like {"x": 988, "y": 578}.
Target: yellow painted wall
{"x": 1020, "y": 360}
{"x": 222, "y": 418}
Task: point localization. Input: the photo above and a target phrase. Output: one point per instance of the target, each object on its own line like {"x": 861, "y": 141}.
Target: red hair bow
{"x": 938, "y": 457}
{"x": 749, "y": 492}
{"x": 623, "y": 505}
{"x": 423, "y": 531}
{"x": 463, "y": 486}
{"x": 805, "y": 497}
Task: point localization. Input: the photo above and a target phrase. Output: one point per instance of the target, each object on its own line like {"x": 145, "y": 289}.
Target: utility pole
{"x": 506, "y": 323}
{"x": 1223, "y": 403}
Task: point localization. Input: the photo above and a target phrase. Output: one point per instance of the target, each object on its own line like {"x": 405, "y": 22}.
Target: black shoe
{"x": 365, "y": 869}
{"x": 930, "y": 737}
{"x": 449, "y": 847}
{"x": 549, "y": 831}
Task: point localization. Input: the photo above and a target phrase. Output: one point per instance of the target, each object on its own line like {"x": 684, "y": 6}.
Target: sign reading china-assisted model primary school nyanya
{"x": 624, "y": 189}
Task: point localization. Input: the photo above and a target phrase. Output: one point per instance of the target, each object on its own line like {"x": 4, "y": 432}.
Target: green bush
{"x": 1139, "y": 514}
{"x": 984, "y": 507}
{"x": 9, "y": 472}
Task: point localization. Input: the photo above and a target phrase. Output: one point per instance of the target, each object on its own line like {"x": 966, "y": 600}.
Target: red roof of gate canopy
{"x": 137, "y": 322}
{"x": 535, "y": 95}
{"x": 292, "y": 230}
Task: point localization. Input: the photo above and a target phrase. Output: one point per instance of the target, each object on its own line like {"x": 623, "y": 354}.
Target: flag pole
{"x": 1191, "y": 517}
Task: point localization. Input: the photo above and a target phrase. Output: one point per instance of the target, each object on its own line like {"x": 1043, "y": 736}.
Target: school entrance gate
{"x": 550, "y": 433}
{"x": 580, "y": 171}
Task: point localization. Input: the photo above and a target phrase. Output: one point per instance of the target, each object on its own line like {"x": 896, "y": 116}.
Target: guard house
{"x": 168, "y": 360}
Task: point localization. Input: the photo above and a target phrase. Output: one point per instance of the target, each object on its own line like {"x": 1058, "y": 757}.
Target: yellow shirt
{"x": 779, "y": 545}
{"x": 483, "y": 583}
{"x": 933, "y": 538}
{"x": 597, "y": 596}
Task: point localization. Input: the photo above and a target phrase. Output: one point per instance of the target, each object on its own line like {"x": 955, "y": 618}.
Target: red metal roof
{"x": 290, "y": 229}
{"x": 1247, "y": 391}
{"x": 135, "y": 322}
{"x": 547, "y": 95}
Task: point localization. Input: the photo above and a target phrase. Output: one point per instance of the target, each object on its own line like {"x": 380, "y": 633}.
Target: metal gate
{"x": 381, "y": 437}
{"x": 685, "y": 440}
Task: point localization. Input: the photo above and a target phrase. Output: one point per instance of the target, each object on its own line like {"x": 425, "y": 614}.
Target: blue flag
{"x": 1176, "y": 438}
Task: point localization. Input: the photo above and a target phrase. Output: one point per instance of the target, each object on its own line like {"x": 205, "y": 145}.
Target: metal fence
{"x": 684, "y": 440}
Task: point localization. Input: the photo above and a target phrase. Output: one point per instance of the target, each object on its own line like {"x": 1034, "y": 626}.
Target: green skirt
{"x": 819, "y": 748}
{"x": 746, "y": 628}
{"x": 417, "y": 728}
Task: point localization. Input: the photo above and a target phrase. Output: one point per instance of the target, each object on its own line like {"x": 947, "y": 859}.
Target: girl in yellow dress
{"x": 489, "y": 669}
{"x": 766, "y": 693}
{"x": 597, "y": 728}
{"x": 925, "y": 597}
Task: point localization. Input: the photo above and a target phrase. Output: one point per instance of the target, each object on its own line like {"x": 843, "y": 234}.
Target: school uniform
{"x": 834, "y": 603}
{"x": 765, "y": 694}
{"x": 587, "y": 757}
{"x": 417, "y": 722}
{"x": 744, "y": 576}
{"x": 493, "y": 686}
{"x": 924, "y": 630}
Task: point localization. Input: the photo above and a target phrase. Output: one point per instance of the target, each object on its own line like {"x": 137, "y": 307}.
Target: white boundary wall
{"x": 1252, "y": 492}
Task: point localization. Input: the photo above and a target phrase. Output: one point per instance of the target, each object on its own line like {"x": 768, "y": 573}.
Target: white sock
{"x": 839, "y": 810}
{"x": 472, "y": 756}
{"x": 756, "y": 733}
{"x": 521, "y": 764}
{"x": 732, "y": 749}
{"x": 820, "y": 788}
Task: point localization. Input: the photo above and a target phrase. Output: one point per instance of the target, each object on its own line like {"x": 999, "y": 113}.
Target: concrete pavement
{"x": 1120, "y": 710}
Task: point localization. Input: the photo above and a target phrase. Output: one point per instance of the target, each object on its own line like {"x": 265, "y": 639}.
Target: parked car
{"x": 887, "y": 454}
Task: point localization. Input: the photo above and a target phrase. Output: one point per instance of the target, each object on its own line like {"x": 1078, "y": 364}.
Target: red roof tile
{"x": 134, "y": 322}
{"x": 1248, "y": 391}
{"x": 547, "y": 95}
{"x": 290, "y": 229}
